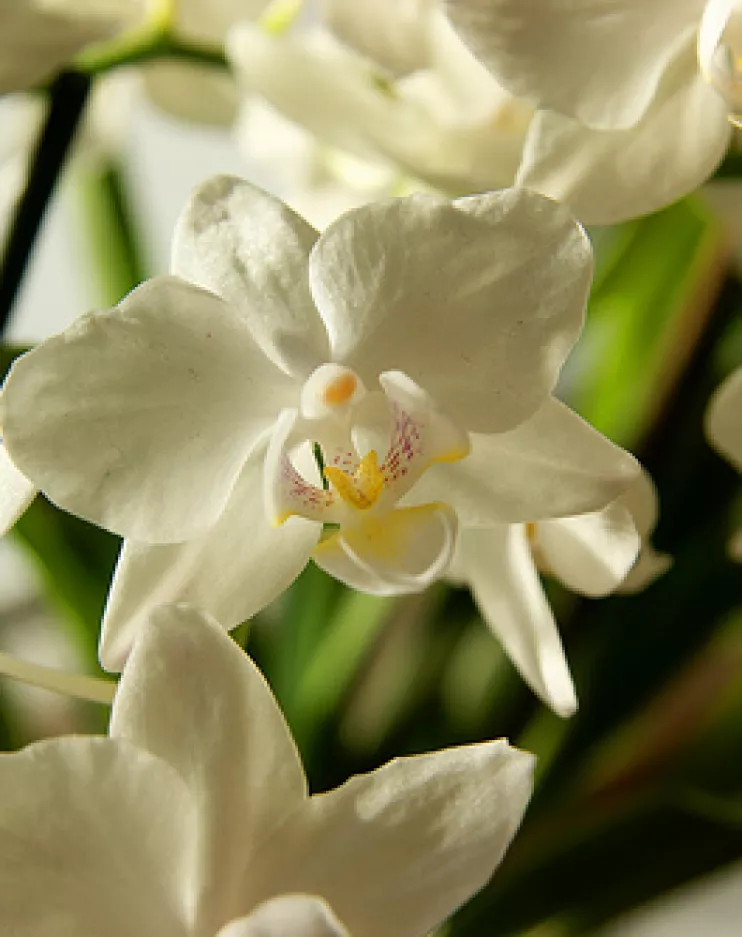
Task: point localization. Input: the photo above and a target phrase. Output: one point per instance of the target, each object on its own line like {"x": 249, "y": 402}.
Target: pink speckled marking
{"x": 302, "y": 497}
{"x": 404, "y": 447}
{"x": 345, "y": 459}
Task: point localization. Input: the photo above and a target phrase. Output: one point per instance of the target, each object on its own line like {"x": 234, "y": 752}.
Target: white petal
{"x": 449, "y": 152}
{"x": 201, "y": 94}
{"x": 295, "y": 915}
{"x": 286, "y": 490}
{"x": 607, "y": 176}
{"x": 479, "y": 300}
{"x": 140, "y": 418}
{"x": 192, "y": 697}
{"x": 98, "y": 838}
{"x": 16, "y": 492}
{"x": 319, "y": 85}
{"x": 649, "y": 566}
{"x": 500, "y": 570}
{"x": 210, "y": 22}
{"x": 724, "y": 421}
{"x": 394, "y": 33}
{"x": 642, "y": 500}
{"x": 232, "y": 572}
{"x": 396, "y": 553}
{"x": 553, "y": 465}
{"x": 421, "y": 126}
{"x": 598, "y": 62}
{"x": 590, "y": 554}
{"x": 251, "y": 249}
{"x": 718, "y": 51}
{"x": 397, "y": 851}
{"x": 469, "y": 84}
{"x": 420, "y": 435}
{"x": 38, "y": 38}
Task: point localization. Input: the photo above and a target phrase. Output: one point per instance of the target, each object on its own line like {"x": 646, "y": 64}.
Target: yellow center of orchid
{"x": 362, "y": 488}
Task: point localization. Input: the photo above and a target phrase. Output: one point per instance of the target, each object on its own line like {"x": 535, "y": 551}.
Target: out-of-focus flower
{"x": 193, "y": 816}
{"x": 448, "y": 123}
{"x": 724, "y": 432}
{"x": 191, "y": 91}
{"x": 414, "y": 344}
{"x": 38, "y": 37}
{"x": 647, "y": 87}
{"x": 16, "y": 492}
{"x": 413, "y": 95}
{"x": 593, "y": 555}
{"x": 318, "y": 182}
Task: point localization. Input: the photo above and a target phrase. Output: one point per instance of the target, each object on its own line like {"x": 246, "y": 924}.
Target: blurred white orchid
{"x": 193, "y": 816}
{"x": 317, "y": 181}
{"x": 448, "y": 123}
{"x": 413, "y": 95}
{"x": 642, "y": 501}
{"x": 189, "y": 90}
{"x": 415, "y": 343}
{"x": 645, "y": 87}
{"x": 724, "y": 432}
{"x": 592, "y": 554}
{"x": 38, "y": 37}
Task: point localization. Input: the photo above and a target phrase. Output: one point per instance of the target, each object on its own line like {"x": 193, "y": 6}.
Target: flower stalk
{"x": 68, "y": 96}
{"x": 93, "y": 689}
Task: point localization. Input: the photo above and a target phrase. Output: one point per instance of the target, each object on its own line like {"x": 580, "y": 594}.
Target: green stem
{"x": 111, "y": 231}
{"x": 147, "y": 48}
{"x": 338, "y": 654}
{"x": 68, "y": 96}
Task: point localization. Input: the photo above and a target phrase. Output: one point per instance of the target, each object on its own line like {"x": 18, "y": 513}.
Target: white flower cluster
{"x": 378, "y": 398}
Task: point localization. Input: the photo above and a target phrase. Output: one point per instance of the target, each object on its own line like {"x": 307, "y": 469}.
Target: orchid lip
{"x": 363, "y": 490}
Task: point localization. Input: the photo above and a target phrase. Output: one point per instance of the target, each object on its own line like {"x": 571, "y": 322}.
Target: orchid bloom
{"x": 318, "y": 182}
{"x": 192, "y": 818}
{"x": 414, "y": 95}
{"x": 724, "y": 432}
{"x": 447, "y": 123}
{"x": 593, "y": 555}
{"x": 38, "y": 37}
{"x": 413, "y": 346}
{"x": 646, "y": 84}
{"x": 191, "y": 91}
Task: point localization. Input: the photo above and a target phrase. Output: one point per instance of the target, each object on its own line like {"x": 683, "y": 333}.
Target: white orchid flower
{"x": 448, "y": 124}
{"x": 724, "y": 432}
{"x": 317, "y": 181}
{"x": 194, "y": 92}
{"x": 193, "y": 819}
{"x": 395, "y": 33}
{"x": 415, "y": 96}
{"x": 593, "y": 555}
{"x": 38, "y": 37}
{"x": 415, "y": 342}
{"x": 646, "y": 84}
